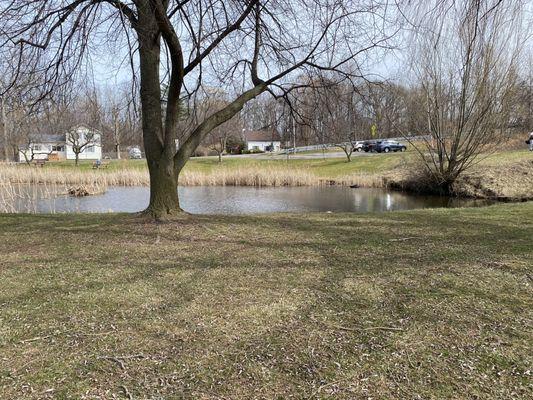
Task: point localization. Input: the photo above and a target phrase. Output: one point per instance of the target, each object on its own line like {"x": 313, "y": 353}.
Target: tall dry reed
{"x": 249, "y": 176}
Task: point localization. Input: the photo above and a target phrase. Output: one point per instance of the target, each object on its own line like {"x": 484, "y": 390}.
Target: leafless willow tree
{"x": 467, "y": 58}
{"x": 247, "y": 46}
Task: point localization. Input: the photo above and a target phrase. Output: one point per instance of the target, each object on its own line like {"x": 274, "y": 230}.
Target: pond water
{"x": 228, "y": 200}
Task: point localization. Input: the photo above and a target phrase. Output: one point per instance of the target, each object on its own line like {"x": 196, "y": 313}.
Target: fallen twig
{"x": 115, "y": 359}
{"x": 120, "y": 359}
{"x": 126, "y": 392}
{"x": 382, "y": 328}
{"x": 35, "y": 339}
{"x": 323, "y": 387}
{"x": 403, "y": 239}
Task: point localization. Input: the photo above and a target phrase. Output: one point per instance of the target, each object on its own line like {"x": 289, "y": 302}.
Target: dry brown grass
{"x": 505, "y": 182}
{"x": 427, "y": 304}
{"x": 253, "y": 175}
{"x": 12, "y": 194}
{"x": 57, "y": 176}
{"x": 502, "y": 176}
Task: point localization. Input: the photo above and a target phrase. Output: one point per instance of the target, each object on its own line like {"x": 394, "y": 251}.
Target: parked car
{"x": 357, "y": 145}
{"x": 368, "y": 145}
{"x": 386, "y": 146}
{"x": 135, "y": 153}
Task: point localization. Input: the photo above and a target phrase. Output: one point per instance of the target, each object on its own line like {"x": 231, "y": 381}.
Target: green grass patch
{"x": 324, "y": 168}
{"x": 424, "y": 304}
{"x": 330, "y": 167}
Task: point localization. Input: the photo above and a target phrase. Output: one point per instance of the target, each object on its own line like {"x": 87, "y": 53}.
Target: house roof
{"x": 49, "y": 138}
{"x": 263, "y": 135}
{"x": 82, "y": 126}
{"x": 59, "y": 138}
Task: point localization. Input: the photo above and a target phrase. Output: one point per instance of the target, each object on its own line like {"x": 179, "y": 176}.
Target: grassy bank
{"x": 429, "y": 304}
{"x": 504, "y": 176}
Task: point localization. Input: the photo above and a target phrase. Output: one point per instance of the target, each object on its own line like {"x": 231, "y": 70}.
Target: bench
{"x": 100, "y": 165}
{"x": 39, "y": 163}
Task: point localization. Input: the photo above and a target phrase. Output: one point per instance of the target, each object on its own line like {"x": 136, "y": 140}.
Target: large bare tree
{"x": 467, "y": 56}
{"x": 246, "y": 46}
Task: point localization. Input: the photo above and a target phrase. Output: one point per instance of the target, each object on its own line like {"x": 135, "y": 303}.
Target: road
{"x": 300, "y": 156}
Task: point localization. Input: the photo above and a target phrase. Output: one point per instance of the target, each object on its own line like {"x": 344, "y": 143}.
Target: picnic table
{"x": 99, "y": 164}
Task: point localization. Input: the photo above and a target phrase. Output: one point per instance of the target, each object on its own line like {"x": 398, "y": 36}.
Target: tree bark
{"x": 159, "y": 149}
{"x": 164, "y": 200}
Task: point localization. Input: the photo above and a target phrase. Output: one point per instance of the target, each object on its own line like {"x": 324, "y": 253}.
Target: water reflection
{"x": 230, "y": 200}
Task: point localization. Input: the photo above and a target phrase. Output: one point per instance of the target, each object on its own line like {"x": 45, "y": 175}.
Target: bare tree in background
{"x": 333, "y": 111}
{"x": 119, "y": 116}
{"x": 80, "y": 140}
{"x": 217, "y": 139}
{"x": 16, "y": 111}
{"x": 341, "y": 117}
{"x": 467, "y": 54}
{"x": 386, "y": 104}
{"x": 250, "y": 47}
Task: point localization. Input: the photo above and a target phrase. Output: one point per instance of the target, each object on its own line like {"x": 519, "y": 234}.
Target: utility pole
{"x": 116, "y": 133}
{"x": 293, "y": 134}
{"x": 3, "y": 129}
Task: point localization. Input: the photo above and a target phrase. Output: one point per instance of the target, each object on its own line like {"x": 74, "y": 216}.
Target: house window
{"x": 37, "y": 147}
{"x": 58, "y": 148}
{"x": 90, "y": 149}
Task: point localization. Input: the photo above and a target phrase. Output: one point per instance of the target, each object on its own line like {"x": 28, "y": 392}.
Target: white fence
{"x": 319, "y": 147}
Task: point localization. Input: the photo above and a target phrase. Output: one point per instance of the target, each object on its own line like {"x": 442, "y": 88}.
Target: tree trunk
{"x": 348, "y": 153}
{"x": 117, "y": 150}
{"x": 220, "y": 157}
{"x": 159, "y": 149}
{"x": 164, "y": 200}
{"x": 15, "y": 153}
{"x": 77, "y": 159}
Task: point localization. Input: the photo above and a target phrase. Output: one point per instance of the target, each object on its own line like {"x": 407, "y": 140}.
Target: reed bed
{"x": 56, "y": 176}
{"x": 20, "y": 197}
{"x": 250, "y": 176}
{"x": 24, "y": 198}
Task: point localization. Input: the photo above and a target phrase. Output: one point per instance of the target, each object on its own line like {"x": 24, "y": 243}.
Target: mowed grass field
{"x": 328, "y": 168}
{"x": 429, "y": 304}
{"x": 324, "y": 168}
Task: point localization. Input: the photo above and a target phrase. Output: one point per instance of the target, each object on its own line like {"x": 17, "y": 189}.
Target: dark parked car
{"x": 368, "y": 145}
{"x": 386, "y": 146}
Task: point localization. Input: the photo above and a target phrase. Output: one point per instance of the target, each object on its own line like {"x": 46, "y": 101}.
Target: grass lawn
{"x": 331, "y": 167}
{"x": 428, "y": 304}
{"x": 328, "y": 168}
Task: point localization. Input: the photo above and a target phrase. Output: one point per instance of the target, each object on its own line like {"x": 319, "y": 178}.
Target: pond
{"x": 228, "y": 200}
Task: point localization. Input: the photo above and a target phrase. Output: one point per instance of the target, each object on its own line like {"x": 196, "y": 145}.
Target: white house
{"x": 61, "y": 147}
{"x": 263, "y": 140}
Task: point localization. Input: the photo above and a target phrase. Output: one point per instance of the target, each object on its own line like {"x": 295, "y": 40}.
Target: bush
{"x": 201, "y": 152}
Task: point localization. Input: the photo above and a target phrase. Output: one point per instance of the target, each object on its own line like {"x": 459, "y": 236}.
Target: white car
{"x": 135, "y": 153}
{"x": 357, "y": 146}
